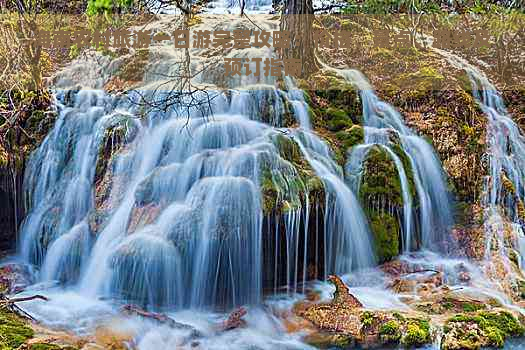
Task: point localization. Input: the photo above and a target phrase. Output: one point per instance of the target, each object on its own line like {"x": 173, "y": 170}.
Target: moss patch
{"x": 479, "y": 330}
{"x": 390, "y": 332}
{"x": 381, "y": 184}
{"x": 13, "y": 331}
{"x": 417, "y": 333}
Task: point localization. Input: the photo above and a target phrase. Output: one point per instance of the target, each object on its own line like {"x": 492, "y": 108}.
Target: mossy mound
{"x": 390, "y": 332}
{"x": 13, "y": 331}
{"x": 351, "y": 136}
{"x": 380, "y": 177}
{"x": 287, "y": 179}
{"x": 385, "y": 229}
{"x": 416, "y": 333}
{"x": 381, "y": 185}
{"x": 484, "y": 329}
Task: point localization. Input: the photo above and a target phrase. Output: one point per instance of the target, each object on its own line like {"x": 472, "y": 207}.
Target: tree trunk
{"x": 298, "y": 17}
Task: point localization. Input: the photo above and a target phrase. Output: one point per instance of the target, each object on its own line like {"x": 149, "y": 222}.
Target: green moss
{"x": 339, "y": 95}
{"x": 330, "y": 340}
{"x": 495, "y": 336}
{"x": 13, "y": 331}
{"x": 471, "y": 307}
{"x": 495, "y": 326}
{"x": 285, "y": 184}
{"x": 398, "y": 316}
{"x": 417, "y": 333}
{"x": 288, "y": 149}
{"x": 44, "y": 346}
{"x": 385, "y": 228}
{"x": 337, "y": 119}
{"x": 367, "y": 319}
{"x": 417, "y": 85}
{"x": 381, "y": 182}
{"x": 351, "y": 137}
{"x": 390, "y": 332}
{"x": 464, "y": 82}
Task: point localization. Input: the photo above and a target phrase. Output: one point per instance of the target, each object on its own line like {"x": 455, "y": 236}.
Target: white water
{"x": 381, "y": 120}
{"x": 506, "y": 154}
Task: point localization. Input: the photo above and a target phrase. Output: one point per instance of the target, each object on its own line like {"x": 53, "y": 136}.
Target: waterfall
{"x": 505, "y": 150}
{"x": 347, "y": 234}
{"x": 176, "y": 218}
{"x": 381, "y": 120}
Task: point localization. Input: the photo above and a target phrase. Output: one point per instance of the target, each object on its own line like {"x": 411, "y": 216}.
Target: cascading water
{"x": 381, "y": 120}
{"x": 506, "y": 154}
{"x": 347, "y": 235}
{"x": 168, "y": 211}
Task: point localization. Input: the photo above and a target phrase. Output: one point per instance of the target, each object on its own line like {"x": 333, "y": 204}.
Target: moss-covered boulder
{"x": 382, "y": 196}
{"x": 287, "y": 178}
{"x": 344, "y": 323}
{"x": 483, "y": 329}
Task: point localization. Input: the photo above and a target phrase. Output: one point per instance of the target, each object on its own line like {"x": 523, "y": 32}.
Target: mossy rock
{"x": 337, "y": 119}
{"x": 468, "y": 331}
{"x": 288, "y": 149}
{"x": 416, "y": 333}
{"x": 326, "y": 340}
{"x": 380, "y": 177}
{"x": 382, "y": 182}
{"x": 46, "y": 346}
{"x": 385, "y": 229}
{"x": 350, "y": 137}
{"x": 390, "y": 332}
{"x": 13, "y": 331}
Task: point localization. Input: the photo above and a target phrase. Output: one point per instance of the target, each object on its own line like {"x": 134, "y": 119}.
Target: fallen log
{"x": 7, "y": 301}
{"x": 160, "y": 318}
{"x": 10, "y": 303}
{"x": 234, "y": 320}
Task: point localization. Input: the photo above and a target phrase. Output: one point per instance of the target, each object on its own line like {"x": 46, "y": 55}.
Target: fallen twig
{"x": 9, "y": 301}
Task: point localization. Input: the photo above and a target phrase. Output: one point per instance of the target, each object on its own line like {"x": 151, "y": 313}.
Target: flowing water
{"x": 178, "y": 222}
{"x": 384, "y": 128}
{"x": 504, "y": 187}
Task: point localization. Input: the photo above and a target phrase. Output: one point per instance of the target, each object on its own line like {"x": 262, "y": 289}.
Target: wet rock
{"x": 142, "y": 216}
{"x": 14, "y": 278}
{"x": 342, "y": 294}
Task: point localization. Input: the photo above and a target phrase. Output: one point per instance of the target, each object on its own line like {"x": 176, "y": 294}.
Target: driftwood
{"x": 160, "y": 318}
{"x": 7, "y": 301}
{"x": 234, "y": 320}
{"x": 10, "y": 303}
